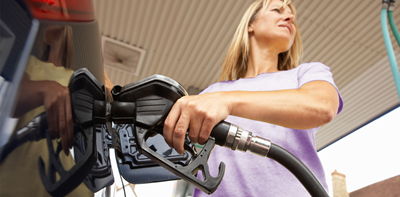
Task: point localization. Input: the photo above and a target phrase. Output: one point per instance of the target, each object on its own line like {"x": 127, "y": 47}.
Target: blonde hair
{"x": 235, "y": 63}
{"x": 66, "y": 51}
{"x": 67, "y": 46}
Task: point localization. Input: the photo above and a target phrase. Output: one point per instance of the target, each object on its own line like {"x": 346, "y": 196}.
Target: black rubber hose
{"x": 9, "y": 147}
{"x": 298, "y": 169}
{"x": 32, "y": 135}
{"x": 282, "y": 156}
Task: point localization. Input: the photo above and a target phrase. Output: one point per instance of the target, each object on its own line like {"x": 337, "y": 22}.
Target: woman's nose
{"x": 289, "y": 17}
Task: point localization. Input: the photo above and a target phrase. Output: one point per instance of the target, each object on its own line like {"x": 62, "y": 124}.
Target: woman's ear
{"x": 250, "y": 29}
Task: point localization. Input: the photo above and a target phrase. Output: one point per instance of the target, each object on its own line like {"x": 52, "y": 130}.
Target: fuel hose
{"x": 391, "y": 20}
{"x": 237, "y": 138}
{"x": 389, "y": 47}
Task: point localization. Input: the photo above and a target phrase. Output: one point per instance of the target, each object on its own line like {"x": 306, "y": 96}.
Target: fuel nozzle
{"x": 391, "y": 5}
{"x": 237, "y": 138}
{"x": 385, "y": 4}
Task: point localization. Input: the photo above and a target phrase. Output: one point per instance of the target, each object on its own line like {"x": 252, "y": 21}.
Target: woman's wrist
{"x": 43, "y": 88}
{"x": 231, "y": 99}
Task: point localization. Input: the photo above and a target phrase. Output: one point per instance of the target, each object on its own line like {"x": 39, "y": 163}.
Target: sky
{"x": 366, "y": 156}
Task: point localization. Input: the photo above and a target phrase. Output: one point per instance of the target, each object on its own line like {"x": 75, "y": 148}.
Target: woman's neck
{"x": 54, "y": 55}
{"x": 262, "y": 61}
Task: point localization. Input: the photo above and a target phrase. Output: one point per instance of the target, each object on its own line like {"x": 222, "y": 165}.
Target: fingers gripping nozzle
{"x": 87, "y": 100}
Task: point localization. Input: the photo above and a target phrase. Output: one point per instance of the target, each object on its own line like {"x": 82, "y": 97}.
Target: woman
{"x": 270, "y": 95}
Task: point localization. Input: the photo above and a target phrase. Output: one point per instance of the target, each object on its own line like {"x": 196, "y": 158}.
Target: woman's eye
{"x": 277, "y": 10}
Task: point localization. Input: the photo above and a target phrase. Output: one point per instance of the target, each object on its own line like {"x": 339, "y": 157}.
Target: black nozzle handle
{"x": 187, "y": 172}
{"x": 220, "y": 132}
{"x": 123, "y": 112}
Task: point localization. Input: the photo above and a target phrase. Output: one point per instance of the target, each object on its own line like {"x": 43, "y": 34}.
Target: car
{"x": 47, "y": 40}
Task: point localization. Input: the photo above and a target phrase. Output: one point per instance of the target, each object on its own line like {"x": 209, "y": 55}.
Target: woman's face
{"x": 274, "y": 27}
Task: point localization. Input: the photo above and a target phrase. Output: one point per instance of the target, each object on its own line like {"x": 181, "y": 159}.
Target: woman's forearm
{"x": 30, "y": 95}
{"x": 314, "y": 104}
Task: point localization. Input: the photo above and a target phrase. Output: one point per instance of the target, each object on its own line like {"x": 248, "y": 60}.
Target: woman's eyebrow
{"x": 280, "y": 6}
{"x": 273, "y": 6}
{"x": 286, "y": 7}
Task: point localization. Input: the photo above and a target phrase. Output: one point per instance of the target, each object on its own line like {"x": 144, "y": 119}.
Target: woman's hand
{"x": 199, "y": 114}
{"x": 57, "y": 103}
{"x": 58, "y": 110}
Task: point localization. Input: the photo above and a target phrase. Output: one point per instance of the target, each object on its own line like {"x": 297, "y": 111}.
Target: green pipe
{"x": 389, "y": 49}
{"x": 393, "y": 27}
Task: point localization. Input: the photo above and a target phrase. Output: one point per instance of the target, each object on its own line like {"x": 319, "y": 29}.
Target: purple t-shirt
{"x": 247, "y": 174}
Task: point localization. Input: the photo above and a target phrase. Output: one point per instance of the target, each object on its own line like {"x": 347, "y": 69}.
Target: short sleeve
{"x": 316, "y": 71}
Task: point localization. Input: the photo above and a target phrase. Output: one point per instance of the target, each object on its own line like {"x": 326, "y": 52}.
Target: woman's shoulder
{"x": 310, "y": 65}
{"x": 304, "y": 70}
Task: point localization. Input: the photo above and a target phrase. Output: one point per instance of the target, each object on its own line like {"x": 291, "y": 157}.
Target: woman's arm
{"x": 314, "y": 104}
